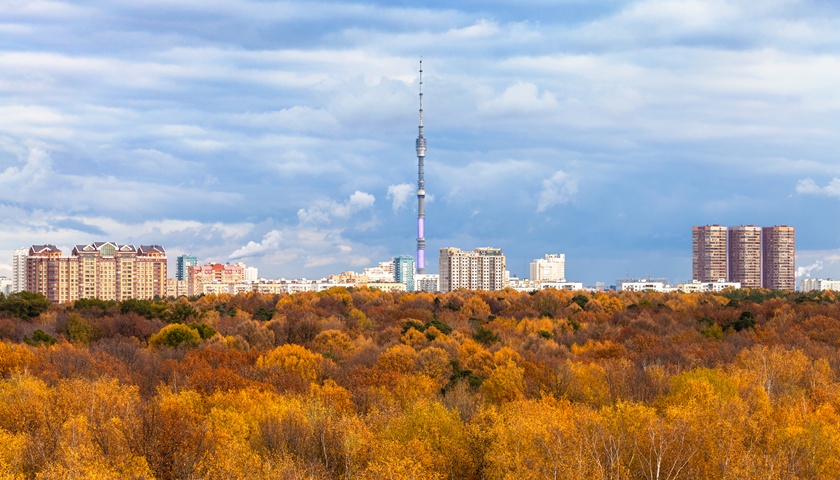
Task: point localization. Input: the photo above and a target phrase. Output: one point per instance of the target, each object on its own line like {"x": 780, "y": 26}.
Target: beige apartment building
{"x": 745, "y": 255}
{"x": 481, "y": 269}
{"x": 778, "y": 245}
{"x": 708, "y": 260}
{"x": 552, "y": 268}
{"x": 103, "y": 270}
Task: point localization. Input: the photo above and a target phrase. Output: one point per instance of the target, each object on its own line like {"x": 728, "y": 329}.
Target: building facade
{"x": 426, "y": 282}
{"x": 748, "y": 255}
{"x": 552, "y": 268}
{"x": 811, "y": 284}
{"x": 182, "y": 264}
{"x": 214, "y": 273}
{"x": 778, "y": 258}
{"x": 103, "y": 270}
{"x": 481, "y": 269}
{"x": 6, "y": 286}
{"x": 19, "y": 269}
{"x": 382, "y": 273}
{"x": 708, "y": 258}
{"x": 744, "y": 262}
{"x": 404, "y": 271}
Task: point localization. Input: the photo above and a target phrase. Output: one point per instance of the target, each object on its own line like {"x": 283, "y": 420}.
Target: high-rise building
{"x": 708, "y": 260}
{"x": 404, "y": 271}
{"x": 103, "y": 270}
{"x": 552, "y": 268}
{"x": 482, "y": 269}
{"x": 249, "y": 274}
{"x": 19, "y": 269}
{"x": 778, "y": 246}
{"x": 182, "y": 264}
{"x": 420, "y": 146}
{"x": 745, "y": 255}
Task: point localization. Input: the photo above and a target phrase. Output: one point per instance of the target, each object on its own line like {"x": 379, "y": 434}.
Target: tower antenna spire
{"x": 420, "y": 145}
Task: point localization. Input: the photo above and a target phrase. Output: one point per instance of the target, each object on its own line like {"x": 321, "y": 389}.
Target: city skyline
{"x": 602, "y": 130}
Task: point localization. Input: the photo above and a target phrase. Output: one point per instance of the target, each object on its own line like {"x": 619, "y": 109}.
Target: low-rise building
{"x": 388, "y": 286}
{"x": 426, "y": 282}
{"x": 811, "y": 284}
{"x": 705, "y": 286}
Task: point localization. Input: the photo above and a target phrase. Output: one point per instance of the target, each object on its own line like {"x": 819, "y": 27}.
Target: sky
{"x": 281, "y": 134}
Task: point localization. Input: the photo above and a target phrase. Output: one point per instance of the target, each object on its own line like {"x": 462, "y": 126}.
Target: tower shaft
{"x": 420, "y": 145}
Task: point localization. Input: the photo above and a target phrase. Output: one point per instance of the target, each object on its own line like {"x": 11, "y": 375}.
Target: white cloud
{"x": 324, "y": 211}
{"x": 271, "y": 241}
{"x": 400, "y": 194}
{"x": 810, "y": 187}
{"x": 521, "y": 99}
{"x": 806, "y": 271}
{"x": 559, "y": 189}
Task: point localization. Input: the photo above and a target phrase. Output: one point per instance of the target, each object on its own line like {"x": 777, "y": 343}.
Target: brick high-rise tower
{"x": 708, "y": 259}
{"x": 778, "y": 246}
{"x": 745, "y": 255}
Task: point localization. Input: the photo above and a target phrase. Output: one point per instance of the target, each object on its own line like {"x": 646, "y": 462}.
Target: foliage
{"x": 363, "y": 384}
{"x": 176, "y": 335}
{"x": 39, "y": 337}
{"x": 24, "y": 305}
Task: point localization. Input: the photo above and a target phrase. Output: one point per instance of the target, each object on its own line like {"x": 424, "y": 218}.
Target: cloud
{"x": 559, "y": 189}
{"x": 400, "y": 195}
{"x": 521, "y": 99}
{"x": 325, "y": 210}
{"x": 808, "y": 186}
{"x": 806, "y": 271}
{"x": 271, "y": 241}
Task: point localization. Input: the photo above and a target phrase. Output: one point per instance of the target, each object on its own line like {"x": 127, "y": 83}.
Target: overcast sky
{"x": 282, "y": 134}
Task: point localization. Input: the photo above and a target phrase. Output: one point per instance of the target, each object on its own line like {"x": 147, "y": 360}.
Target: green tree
{"x": 24, "y": 305}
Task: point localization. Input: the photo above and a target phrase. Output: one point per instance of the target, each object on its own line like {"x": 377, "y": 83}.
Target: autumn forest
{"x": 365, "y": 384}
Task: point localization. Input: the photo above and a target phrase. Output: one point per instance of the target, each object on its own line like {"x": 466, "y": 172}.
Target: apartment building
{"x": 708, "y": 260}
{"x": 213, "y": 273}
{"x": 552, "y": 268}
{"x": 744, "y": 263}
{"x": 103, "y": 270}
{"x": 481, "y": 269}
{"x": 778, "y": 254}
{"x": 748, "y": 255}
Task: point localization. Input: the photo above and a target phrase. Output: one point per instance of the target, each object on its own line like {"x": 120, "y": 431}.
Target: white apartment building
{"x": 532, "y": 286}
{"x": 642, "y": 287}
{"x": 249, "y": 274}
{"x": 19, "y": 269}
{"x": 5, "y": 286}
{"x": 705, "y": 286}
{"x": 811, "y": 284}
{"x": 426, "y": 282}
{"x": 552, "y": 268}
{"x": 481, "y": 269}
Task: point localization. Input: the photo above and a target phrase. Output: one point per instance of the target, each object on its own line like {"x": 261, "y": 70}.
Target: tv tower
{"x": 421, "y": 187}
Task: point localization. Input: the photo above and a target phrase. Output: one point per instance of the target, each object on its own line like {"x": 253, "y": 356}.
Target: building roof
{"x": 43, "y": 249}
